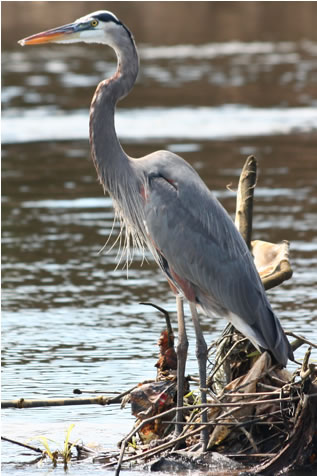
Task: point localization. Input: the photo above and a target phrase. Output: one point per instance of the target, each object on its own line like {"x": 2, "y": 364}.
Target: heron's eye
{"x": 94, "y": 23}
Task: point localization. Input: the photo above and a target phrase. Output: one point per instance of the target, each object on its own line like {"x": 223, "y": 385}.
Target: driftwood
{"x": 244, "y": 207}
{"x": 57, "y": 402}
{"x": 271, "y": 260}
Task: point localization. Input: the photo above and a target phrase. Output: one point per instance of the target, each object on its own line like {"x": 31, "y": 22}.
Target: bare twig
{"x": 255, "y": 420}
{"x": 249, "y": 455}
{"x": 275, "y": 435}
{"x": 77, "y": 391}
{"x": 167, "y": 320}
{"x": 270, "y": 388}
{"x": 224, "y": 358}
{"x": 29, "y": 447}
{"x": 301, "y": 338}
{"x": 253, "y": 394}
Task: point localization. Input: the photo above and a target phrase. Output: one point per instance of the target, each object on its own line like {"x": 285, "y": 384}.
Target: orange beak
{"x": 59, "y": 34}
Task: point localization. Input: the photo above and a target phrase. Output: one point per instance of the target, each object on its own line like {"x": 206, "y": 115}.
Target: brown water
{"x": 69, "y": 318}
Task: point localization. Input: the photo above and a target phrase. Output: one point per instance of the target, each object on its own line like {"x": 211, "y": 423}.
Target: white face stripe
{"x": 98, "y": 12}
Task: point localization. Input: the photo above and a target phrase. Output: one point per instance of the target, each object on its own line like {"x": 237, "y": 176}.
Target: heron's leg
{"x": 182, "y": 346}
{"x": 201, "y": 354}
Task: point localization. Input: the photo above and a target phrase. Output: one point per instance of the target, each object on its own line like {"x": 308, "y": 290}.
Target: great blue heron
{"x": 164, "y": 205}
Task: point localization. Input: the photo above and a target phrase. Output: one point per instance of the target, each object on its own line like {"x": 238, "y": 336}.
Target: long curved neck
{"x": 111, "y": 162}
{"x": 116, "y": 171}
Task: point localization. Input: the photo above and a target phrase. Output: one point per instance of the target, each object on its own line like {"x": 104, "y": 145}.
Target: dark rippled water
{"x": 69, "y": 318}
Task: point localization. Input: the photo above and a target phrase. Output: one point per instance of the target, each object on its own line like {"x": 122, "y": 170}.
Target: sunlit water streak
{"x": 230, "y": 48}
{"x": 226, "y": 122}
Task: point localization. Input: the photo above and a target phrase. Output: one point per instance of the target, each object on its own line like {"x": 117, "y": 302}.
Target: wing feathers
{"x": 201, "y": 244}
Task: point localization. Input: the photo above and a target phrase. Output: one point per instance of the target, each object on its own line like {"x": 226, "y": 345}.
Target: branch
{"x": 29, "y": 447}
{"x": 244, "y": 208}
{"x": 55, "y": 402}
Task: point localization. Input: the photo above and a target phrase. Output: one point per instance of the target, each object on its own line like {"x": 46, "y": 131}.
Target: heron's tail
{"x": 287, "y": 349}
{"x": 266, "y": 333}
{"x": 257, "y": 322}
{"x": 281, "y": 348}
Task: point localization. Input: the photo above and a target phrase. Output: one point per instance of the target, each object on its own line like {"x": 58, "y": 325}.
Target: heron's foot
{"x": 198, "y": 449}
{"x": 201, "y": 446}
{"x": 178, "y": 444}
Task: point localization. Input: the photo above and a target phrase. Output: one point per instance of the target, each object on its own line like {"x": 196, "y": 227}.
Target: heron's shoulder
{"x": 174, "y": 169}
{"x": 179, "y": 195}
{"x": 167, "y": 161}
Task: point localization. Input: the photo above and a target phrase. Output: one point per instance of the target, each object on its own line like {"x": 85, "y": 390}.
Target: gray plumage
{"x": 164, "y": 205}
{"x": 196, "y": 239}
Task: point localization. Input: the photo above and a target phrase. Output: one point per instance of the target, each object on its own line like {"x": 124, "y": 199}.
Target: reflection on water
{"x": 69, "y": 318}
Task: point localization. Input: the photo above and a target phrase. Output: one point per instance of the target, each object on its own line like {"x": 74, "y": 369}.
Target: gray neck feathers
{"x": 116, "y": 171}
{"x": 107, "y": 153}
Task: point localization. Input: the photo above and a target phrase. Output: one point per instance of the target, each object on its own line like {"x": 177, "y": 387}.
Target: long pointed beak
{"x": 55, "y": 34}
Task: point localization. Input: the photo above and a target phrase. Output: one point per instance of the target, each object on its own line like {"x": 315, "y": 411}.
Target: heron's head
{"x": 97, "y": 27}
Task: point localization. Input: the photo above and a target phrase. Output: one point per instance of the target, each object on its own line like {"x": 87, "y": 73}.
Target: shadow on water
{"x": 69, "y": 318}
